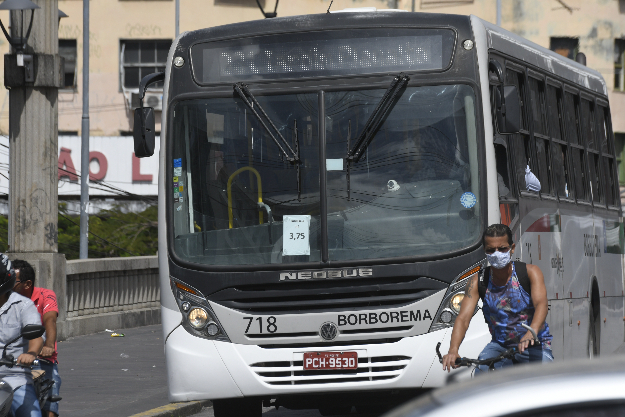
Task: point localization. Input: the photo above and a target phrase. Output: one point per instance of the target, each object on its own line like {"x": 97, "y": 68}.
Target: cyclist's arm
{"x": 539, "y": 299}
{"x": 34, "y": 347}
{"x": 461, "y": 324}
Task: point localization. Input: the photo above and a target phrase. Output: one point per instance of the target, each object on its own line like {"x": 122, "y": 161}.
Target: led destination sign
{"x": 323, "y": 53}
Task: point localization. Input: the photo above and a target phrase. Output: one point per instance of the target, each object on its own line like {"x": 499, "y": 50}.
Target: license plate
{"x": 330, "y": 360}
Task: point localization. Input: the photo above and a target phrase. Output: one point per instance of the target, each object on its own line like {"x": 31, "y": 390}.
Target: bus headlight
{"x": 212, "y": 329}
{"x": 450, "y": 307}
{"x": 198, "y": 318}
{"x": 456, "y": 301}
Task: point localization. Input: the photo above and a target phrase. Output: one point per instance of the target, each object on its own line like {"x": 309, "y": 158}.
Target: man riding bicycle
{"x": 512, "y": 294}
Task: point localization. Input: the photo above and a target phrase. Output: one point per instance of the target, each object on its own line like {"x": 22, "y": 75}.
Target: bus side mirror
{"x": 507, "y": 109}
{"x": 143, "y": 132}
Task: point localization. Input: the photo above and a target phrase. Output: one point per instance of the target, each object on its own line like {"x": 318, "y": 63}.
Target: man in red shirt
{"x": 45, "y": 301}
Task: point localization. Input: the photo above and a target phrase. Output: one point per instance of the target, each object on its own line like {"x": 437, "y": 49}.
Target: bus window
{"x": 561, "y": 170}
{"x": 554, "y": 98}
{"x": 503, "y": 178}
{"x": 537, "y": 92}
{"x": 559, "y": 148}
{"x": 595, "y": 178}
{"x": 587, "y": 113}
{"x": 570, "y": 117}
{"x": 579, "y": 173}
{"x": 602, "y": 129}
{"x": 608, "y": 164}
{"x": 234, "y": 185}
{"x": 521, "y": 141}
{"x": 408, "y": 191}
{"x": 610, "y": 184}
{"x": 516, "y": 78}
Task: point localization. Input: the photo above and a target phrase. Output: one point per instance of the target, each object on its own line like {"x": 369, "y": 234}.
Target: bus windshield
{"x": 238, "y": 200}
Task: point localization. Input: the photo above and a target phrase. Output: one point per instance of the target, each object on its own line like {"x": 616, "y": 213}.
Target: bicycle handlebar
{"x": 10, "y": 362}
{"x": 508, "y": 354}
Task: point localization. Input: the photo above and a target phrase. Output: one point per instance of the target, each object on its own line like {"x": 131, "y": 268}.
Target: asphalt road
{"x": 113, "y": 376}
{"x": 107, "y": 376}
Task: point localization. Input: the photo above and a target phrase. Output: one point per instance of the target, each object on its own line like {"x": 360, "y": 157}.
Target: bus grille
{"x": 376, "y": 368}
{"x": 327, "y": 295}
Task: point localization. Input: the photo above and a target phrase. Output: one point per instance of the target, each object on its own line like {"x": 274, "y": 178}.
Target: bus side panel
{"x": 195, "y": 370}
{"x": 578, "y": 265}
{"x": 576, "y": 328}
{"x": 608, "y": 256}
{"x": 577, "y": 275}
{"x": 611, "y": 324}
{"x": 555, "y": 318}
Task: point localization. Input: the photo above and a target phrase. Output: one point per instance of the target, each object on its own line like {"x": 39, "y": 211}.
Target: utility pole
{"x": 177, "y": 18}
{"x": 84, "y": 132}
{"x": 499, "y": 13}
{"x": 33, "y": 138}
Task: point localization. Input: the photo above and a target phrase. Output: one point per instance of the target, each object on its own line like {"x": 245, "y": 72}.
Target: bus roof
{"x": 514, "y": 45}
{"x": 325, "y": 21}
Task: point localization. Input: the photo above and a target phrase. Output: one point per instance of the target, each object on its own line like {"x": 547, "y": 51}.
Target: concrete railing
{"x": 110, "y": 293}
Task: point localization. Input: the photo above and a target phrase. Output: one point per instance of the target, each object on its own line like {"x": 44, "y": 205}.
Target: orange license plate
{"x": 330, "y": 360}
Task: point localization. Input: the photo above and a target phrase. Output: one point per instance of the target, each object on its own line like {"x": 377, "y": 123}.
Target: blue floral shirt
{"x": 505, "y": 308}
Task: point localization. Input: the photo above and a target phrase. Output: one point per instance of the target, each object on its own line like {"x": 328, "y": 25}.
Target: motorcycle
{"x": 42, "y": 383}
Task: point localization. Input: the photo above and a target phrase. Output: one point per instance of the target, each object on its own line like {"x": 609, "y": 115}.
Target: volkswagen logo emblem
{"x": 328, "y": 331}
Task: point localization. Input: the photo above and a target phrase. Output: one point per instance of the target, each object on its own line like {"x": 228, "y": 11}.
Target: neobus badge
{"x": 337, "y": 273}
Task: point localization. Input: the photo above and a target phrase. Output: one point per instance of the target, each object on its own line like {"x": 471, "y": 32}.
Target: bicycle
{"x": 508, "y": 354}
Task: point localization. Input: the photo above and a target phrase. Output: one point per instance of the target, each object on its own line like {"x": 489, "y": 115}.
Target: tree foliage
{"x": 112, "y": 233}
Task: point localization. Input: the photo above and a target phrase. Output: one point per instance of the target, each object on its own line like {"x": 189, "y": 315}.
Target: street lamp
{"x": 21, "y": 5}
{"x": 61, "y": 16}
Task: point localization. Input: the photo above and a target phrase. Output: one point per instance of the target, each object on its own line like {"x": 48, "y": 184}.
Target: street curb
{"x": 176, "y": 409}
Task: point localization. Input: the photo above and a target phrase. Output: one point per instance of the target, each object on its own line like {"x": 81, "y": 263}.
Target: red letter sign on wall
{"x": 66, "y": 166}
{"x": 104, "y": 166}
{"x": 136, "y": 171}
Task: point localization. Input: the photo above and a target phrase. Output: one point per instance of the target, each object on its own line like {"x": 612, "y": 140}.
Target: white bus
{"x": 324, "y": 184}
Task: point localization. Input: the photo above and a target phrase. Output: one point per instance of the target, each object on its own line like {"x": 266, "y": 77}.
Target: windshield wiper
{"x": 377, "y": 118}
{"x": 253, "y": 104}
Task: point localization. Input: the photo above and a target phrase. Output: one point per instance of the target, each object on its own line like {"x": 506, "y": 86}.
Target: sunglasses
{"x": 502, "y": 249}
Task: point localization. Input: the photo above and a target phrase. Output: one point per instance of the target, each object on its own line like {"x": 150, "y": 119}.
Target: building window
{"x": 67, "y": 49}
{"x": 567, "y": 47}
{"x": 619, "y": 64}
{"x": 140, "y": 58}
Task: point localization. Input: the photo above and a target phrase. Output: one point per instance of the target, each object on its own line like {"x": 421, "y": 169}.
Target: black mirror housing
{"x": 144, "y": 132}
{"x": 32, "y": 331}
{"x": 507, "y": 109}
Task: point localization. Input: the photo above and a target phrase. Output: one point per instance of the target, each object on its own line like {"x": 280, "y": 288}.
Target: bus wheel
{"x": 237, "y": 407}
{"x": 594, "y": 338}
{"x": 335, "y": 410}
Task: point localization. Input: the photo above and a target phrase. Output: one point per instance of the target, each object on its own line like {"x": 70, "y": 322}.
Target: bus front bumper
{"x": 200, "y": 369}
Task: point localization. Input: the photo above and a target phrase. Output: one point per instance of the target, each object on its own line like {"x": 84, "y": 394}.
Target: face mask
{"x": 499, "y": 260}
